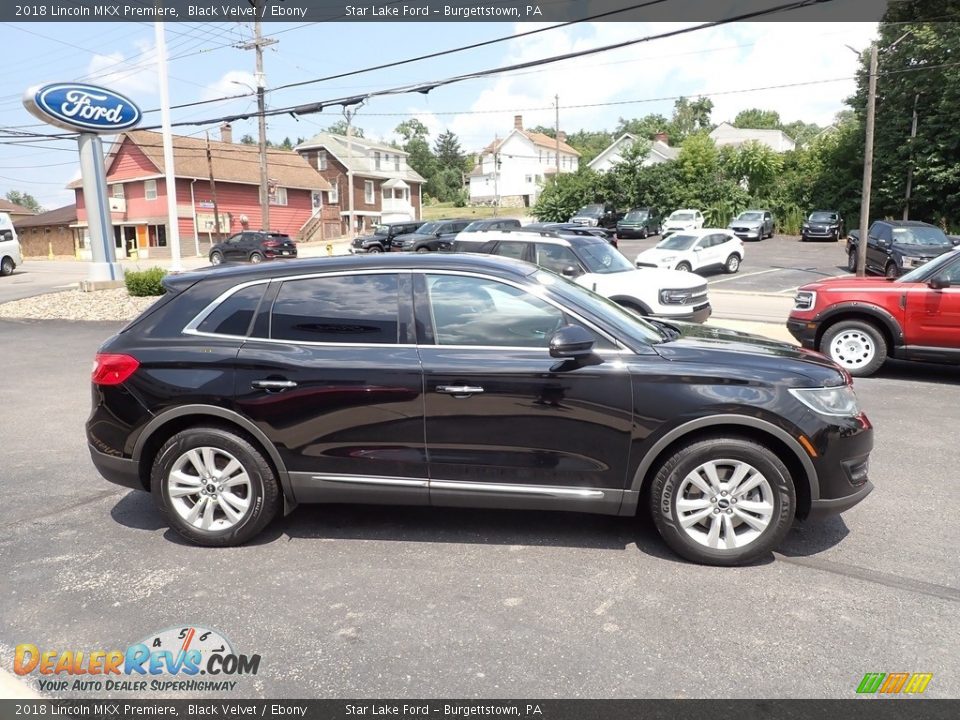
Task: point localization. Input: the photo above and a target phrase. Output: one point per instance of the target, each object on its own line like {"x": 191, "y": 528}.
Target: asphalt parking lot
{"x": 777, "y": 265}
{"x": 352, "y": 601}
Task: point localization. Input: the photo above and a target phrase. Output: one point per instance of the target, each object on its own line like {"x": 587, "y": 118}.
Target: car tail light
{"x": 110, "y": 369}
{"x": 270, "y": 243}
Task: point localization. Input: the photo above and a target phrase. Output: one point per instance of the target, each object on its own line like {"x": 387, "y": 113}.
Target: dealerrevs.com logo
{"x": 171, "y": 660}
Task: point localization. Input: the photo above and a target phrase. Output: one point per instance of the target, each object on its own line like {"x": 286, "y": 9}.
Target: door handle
{"x": 459, "y": 389}
{"x": 273, "y": 384}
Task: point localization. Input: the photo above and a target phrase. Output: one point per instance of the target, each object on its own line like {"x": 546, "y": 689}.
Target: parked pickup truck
{"x": 898, "y": 246}
{"x": 603, "y": 215}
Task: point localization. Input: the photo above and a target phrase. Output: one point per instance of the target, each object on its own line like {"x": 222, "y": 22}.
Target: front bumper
{"x": 821, "y": 234}
{"x": 699, "y": 314}
{"x": 805, "y": 331}
{"x": 118, "y": 470}
{"x": 747, "y": 234}
{"x": 834, "y": 506}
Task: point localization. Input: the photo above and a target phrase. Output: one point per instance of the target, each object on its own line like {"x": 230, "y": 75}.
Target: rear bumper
{"x": 118, "y": 470}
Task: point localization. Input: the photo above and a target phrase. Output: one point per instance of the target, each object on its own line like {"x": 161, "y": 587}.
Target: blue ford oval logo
{"x": 87, "y": 108}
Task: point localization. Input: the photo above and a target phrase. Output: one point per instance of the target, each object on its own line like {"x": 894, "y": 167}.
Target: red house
{"x": 138, "y": 193}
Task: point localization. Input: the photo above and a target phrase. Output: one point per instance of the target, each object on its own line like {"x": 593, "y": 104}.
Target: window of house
{"x": 376, "y": 160}
{"x": 279, "y": 196}
{"x": 157, "y": 236}
{"x": 396, "y": 162}
{"x": 116, "y": 191}
{"x": 528, "y": 179}
{"x": 340, "y": 309}
{"x": 368, "y": 191}
{"x": 321, "y": 159}
{"x": 333, "y": 195}
{"x": 150, "y": 189}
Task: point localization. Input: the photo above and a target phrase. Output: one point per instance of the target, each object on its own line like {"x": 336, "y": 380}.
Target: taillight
{"x": 110, "y": 369}
{"x": 270, "y": 243}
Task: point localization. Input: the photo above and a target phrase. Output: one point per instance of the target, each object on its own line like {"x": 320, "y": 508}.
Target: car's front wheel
{"x": 857, "y": 346}
{"x": 732, "y": 264}
{"x": 684, "y": 267}
{"x": 216, "y": 258}
{"x": 723, "y": 501}
{"x": 374, "y": 249}
{"x": 891, "y": 271}
{"x": 6, "y": 266}
{"x": 214, "y": 487}
{"x": 423, "y": 249}
{"x": 852, "y": 260}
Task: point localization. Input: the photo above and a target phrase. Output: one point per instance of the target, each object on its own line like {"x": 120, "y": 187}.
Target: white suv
{"x": 10, "y": 253}
{"x": 695, "y": 250}
{"x": 681, "y": 220}
{"x": 598, "y": 266}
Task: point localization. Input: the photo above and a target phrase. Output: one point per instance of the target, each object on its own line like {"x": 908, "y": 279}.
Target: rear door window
{"x": 513, "y": 249}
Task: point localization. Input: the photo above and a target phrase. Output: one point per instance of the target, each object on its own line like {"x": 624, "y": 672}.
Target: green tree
{"x": 589, "y": 143}
{"x": 287, "y": 144}
{"x": 563, "y": 195}
{"x": 698, "y": 158}
{"x": 544, "y": 130}
{"x": 419, "y": 156}
{"x": 410, "y": 129}
{"x": 447, "y": 151}
{"x": 248, "y": 139}
{"x": 689, "y": 116}
{"x": 340, "y": 128}
{"x": 757, "y": 165}
{"x": 801, "y": 132}
{"x": 24, "y": 199}
{"x": 645, "y": 127}
{"x": 757, "y": 119}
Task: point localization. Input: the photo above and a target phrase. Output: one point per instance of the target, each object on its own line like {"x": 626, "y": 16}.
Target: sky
{"x": 594, "y": 91}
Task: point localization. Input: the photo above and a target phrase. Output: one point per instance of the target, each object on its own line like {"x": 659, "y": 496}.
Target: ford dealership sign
{"x": 83, "y": 108}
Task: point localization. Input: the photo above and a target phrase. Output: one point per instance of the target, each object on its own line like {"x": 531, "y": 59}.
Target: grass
{"x": 441, "y": 211}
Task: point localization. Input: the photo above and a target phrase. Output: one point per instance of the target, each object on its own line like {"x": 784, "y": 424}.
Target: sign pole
{"x": 104, "y": 265}
{"x": 173, "y": 215}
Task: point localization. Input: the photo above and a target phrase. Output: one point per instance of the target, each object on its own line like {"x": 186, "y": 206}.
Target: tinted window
{"x": 234, "y": 315}
{"x": 477, "y": 311}
{"x": 342, "y": 309}
{"x": 515, "y": 250}
{"x": 920, "y": 236}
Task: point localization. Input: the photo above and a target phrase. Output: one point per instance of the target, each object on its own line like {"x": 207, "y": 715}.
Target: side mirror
{"x": 571, "y": 341}
{"x": 697, "y": 249}
{"x": 955, "y": 240}
{"x": 938, "y": 283}
{"x": 569, "y": 271}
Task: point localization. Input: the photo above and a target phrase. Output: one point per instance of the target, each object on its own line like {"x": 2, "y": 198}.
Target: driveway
{"x": 353, "y": 601}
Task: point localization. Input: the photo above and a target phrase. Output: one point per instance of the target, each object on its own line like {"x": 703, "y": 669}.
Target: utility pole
{"x": 913, "y": 135}
{"x": 259, "y": 42}
{"x": 348, "y": 114}
{"x": 213, "y": 191}
{"x": 496, "y": 174}
{"x": 556, "y": 104}
{"x": 867, "y": 166}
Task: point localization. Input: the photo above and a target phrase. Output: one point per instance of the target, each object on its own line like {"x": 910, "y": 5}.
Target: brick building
{"x": 52, "y": 231}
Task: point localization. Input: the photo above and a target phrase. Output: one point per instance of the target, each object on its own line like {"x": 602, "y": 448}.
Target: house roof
{"x": 538, "y": 139}
{"x": 9, "y": 207}
{"x": 657, "y": 146}
{"x": 232, "y": 162}
{"x": 59, "y": 216}
{"x": 359, "y": 162}
{"x": 735, "y": 135}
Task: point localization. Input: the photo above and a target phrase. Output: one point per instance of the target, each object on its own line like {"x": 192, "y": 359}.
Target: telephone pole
{"x": 913, "y": 136}
{"x": 259, "y": 42}
{"x": 867, "y": 166}
{"x": 213, "y": 190}
{"x": 556, "y": 104}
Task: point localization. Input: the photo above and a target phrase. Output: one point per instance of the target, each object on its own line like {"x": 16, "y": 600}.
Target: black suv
{"x": 469, "y": 381}
{"x": 253, "y": 246}
{"x": 822, "y": 225}
{"x": 383, "y": 237}
{"x": 431, "y": 236}
{"x": 898, "y": 246}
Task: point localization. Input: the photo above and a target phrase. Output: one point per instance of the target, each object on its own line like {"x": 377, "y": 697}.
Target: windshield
{"x": 475, "y": 226}
{"x": 382, "y": 230}
{"x": 677, "y": 242}
{"x": 928, "y": 270}
{"x": 619, "y": 316}
{"x": 603, "y": 258}
{"x": 636, "y": 215}
{"x": 920, "y": 236}
{"x": 681, "y": 216}
{"x": 590, "y": 210}
{"x": 749, "y": 216}
{"x": 428, "y": 228}
{"x": 824, "y": 217}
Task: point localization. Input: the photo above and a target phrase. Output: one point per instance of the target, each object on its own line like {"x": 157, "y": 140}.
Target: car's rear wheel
{"x": 732, "y": 264}
{"x": 374, "y": 249}
{"x": 216, "y": 258}
{"x": 723, "y": 501}
{"x": 684, "y": 267}
{"x": 856, "y": 345}
{"x": 256, "y": 257}
{"x": 214, "y": 487}
{"x": 6, "y": 266}
{"x": 891, "y": 270}
{"x": 852, "y": 260}
{"x": 423, "y": 249}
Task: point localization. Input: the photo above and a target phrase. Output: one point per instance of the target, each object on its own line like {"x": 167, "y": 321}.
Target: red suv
{"x": 859, "y": 322}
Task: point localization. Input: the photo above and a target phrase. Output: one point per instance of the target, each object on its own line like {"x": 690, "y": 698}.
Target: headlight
{"x": 668, "y": 258}
{"x": 805, "y": 300}
{"x": 840, "y": 401}
{"x": 674, "y": 297}
{"x": 912, "y": 258}
{"x": 806, "y": 226}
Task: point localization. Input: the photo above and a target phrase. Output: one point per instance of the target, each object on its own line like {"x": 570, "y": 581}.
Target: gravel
{"x": 113, "y": 304}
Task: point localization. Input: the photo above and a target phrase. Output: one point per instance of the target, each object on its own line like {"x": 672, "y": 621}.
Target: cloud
{"x": 232, "y": 83}
{"x": 136, "y": 74}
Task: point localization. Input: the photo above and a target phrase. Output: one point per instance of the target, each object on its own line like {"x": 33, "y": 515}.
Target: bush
{"x": 461, "y": 199}
{"x": 145, "y": 283}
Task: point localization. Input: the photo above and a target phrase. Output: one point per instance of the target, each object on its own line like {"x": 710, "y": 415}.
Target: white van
{"x": 10, "y": 253}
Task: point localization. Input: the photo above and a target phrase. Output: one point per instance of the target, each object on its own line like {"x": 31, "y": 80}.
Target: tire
{"x": 261, "y": 491}
{"x": 736, "y": 529}
{"x": 732, "y": 264}
{"x": 6, "y": 266}
{"x": 643, "y": 233}
{"x": 803, "y": 238}
{"x": 216, "y": 258}
{"x": 256, "y": 257}
{"x": 684, "y": 267}
{"x": 852, "y": 261}
{"x": 374, "y": 249}
{"x": 891, "y": 270}
{"x": 423, "y": 249}
{"x": 856, "y": 345}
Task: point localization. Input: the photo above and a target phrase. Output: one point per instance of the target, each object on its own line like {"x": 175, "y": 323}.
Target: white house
{"x": 727, "y": 134}
{"x": 660, "y": 152}
{"x": 511, "y": 171}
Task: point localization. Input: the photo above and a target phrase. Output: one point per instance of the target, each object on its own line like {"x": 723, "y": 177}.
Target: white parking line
{"x": 736, "y": 276}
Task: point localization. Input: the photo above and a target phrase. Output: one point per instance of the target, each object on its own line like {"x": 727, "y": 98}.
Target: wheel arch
{"x": 882, "y": 319}
{"x": 169, "y": 423}
{"x": 632, "y": 302}
{"x": 789, "y": 450}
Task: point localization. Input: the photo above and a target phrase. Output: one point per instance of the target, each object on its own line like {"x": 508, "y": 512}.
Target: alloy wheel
{"x": 209, "y": 489}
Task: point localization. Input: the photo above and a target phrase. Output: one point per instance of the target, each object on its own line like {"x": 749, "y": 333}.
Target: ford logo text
{"x": 87, "y": 108}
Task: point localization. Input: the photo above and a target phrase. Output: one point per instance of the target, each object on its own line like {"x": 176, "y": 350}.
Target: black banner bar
{"x": 323, "y": 11}
{"x": 871, "y": 708}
